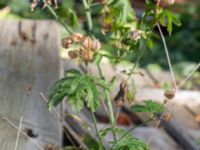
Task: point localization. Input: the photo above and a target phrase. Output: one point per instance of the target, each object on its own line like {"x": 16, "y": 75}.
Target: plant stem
{"x": 139, "y": 56}
{"x": 95, "y": 126}
{"x": 168, "y": 58}
{"x": 56, "y": 17}
{"x": 88, "y": 15}
{"x": 189, "y": 76}
{"x": 109, "y": 103}
{"x": 23, "y": 133}
{"x": 134, "y": 127}
{"x": 95, "y": 4}
{"x": 18, "y": 133}
{"x": 112, "y": 118}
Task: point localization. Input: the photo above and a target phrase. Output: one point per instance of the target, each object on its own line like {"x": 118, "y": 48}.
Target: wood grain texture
{"x": 29, "y": 64}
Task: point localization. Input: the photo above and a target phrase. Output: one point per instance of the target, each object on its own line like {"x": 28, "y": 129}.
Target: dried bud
{"x": 122, "y": 95}
{"x": 86, "y": 54}
{"x": 73, "y": 54}
{"x": 87, "y": 43}
{"x": 164, "y": 3}
{"x": 169, "y": 94}
{"x": 66, "y": 42}
{"x": 96, "y": 45}
{"x": 135, "y": 35}
{"x": 76, "y": 37}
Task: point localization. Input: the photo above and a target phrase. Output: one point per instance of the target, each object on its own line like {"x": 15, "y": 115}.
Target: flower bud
{"x": 73, "y": 54}
{"x": 169, "y": 94}
{"x": 96, "y": 45}
{"x": 76, "y": 37}
{"x": 66, "y": 42}
{"x": 86, "y": 54}
{"x": 87, "y": 43}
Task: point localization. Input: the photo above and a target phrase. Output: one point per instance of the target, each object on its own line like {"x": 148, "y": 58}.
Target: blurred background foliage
{"x": 184, "y": 43}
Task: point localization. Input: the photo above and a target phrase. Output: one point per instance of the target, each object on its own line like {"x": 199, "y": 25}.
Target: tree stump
{"x": 29, "y": 64}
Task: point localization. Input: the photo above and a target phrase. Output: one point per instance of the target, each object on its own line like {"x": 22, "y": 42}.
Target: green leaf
{"x": 92, "y": 95}
{"x": 176, "y": 21}
{"x": 77, "y": 88}
{"x": 73, "y": 18}
{"x": 128, "y": 142}
{"x": 150, "y": 44}
{"x": 169, "y": 25}
{"x": 76, "y": 103}
{"x": 100, "y": 82}
{"x": 148, "y": 106}
{"x": 171, "y": 18}
{"x": 75, "y": 84}
{"x": 162, "y": 19}
{"x": 105, "y": 131}
{"x": 73, "y": 73}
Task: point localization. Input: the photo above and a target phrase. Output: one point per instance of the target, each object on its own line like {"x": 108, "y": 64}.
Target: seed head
{"x": 66, "y": 42}
{"x": 87, "y": 43}
{"x": 86, "y": 54}
{"x": 96, "y": 45}
{"x": 169, "y": 94}
{"x": 73, "y": 54}
{"x": 76, "y": 37}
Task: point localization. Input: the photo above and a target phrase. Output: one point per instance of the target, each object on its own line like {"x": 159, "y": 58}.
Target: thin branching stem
{"x": 155, "y": 129}
{"x": 98, "y": 134}
{"x": 172, "y": 77}
{"x": 176, "y": 87}
{"x": 93, "y": 116}
{"x": 57, "y": 17}
{"x": 141, "y": 52}
{"x": 65, "y": 126}
{"x": 134, "y": 127}
{"x": 189, "y": 76}
{"x": 88, "y": 15}
{"x": 109, "y": 104}
{"x": 18, "y": 133}
{"x": 111, "y": 113}
{"x": 23, "y": 133}
{"x": 168, "y": 58}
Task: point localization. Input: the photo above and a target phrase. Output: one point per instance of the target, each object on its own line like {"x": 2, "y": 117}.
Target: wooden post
{"x": 29, "y": 64}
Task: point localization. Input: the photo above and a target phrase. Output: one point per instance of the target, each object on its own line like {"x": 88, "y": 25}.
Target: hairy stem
{"x": 168, "y": 58}
{"x": 110, "y": 108}
{"x": 141, "y": 52}
{"x": 95, "y": 126}
{"x": 56, "y": 17}
{"x": 88, "y": 15}
{"x": 134, "y": 127}
{"x": 189, "y": 76}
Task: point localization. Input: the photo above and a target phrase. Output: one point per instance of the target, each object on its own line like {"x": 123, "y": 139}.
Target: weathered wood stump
{"x": 29, "y": 64}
